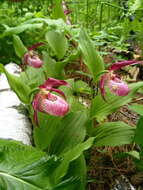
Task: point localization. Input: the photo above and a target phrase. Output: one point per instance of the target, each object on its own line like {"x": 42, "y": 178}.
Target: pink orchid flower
{"x": 49, "y": 103}
{"x": 31, "y": 57}
{"x": 113, "y": 82}
{"x": 118, "y": 87}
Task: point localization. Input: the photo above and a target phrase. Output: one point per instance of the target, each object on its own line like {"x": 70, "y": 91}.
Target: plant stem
{"x": 87, "y": 11}
{"x": 101, "y": 16}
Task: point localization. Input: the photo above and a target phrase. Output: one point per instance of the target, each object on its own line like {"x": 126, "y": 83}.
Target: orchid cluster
{"x": 113, "y": 81}
{"x": 47, "y": 102}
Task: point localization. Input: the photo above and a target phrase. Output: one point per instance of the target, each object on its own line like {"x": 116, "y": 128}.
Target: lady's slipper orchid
{"x": 47, "y": 102}
{"x": 50, "y": 103}
{"x": 34, "y": 46}
{"x": 31, "y": 58}
{"x": 118, "y": 87}
{"x": 113, "y": 82}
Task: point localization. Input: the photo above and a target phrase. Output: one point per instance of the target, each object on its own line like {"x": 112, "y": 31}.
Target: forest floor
{"x": 105, "y": 166}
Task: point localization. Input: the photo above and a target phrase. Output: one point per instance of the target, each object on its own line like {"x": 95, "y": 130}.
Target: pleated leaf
{"x": 70, "y": 183}
{"x": 101, "y": 108}
{"x": 57, "y": 42}
{"x": 33, "y": 77}
{"x": 70, "y": 156}
{"x": 19, "y": 29}
{"x": 91, "y": 57}
{"x": 58, "y": 10}
{"x": 138, "y": 108}
{"x": 52, "y": 68}
{"x": 139, "y": 132}
{"x": 19, "y": 47}
{"x": 78, "y": 169}
{"x": 23, "y": 167}
{"x": 113, "y": 134}
{"x": 70, "y": 132}
{"x": 18, "y": 86}
{"x": 46, "y": 130}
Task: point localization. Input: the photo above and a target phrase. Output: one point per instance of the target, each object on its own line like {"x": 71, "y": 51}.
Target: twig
{"x": 138, "y": 99}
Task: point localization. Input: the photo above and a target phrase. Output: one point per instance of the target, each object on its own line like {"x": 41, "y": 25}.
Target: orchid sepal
{"x": 120, "y": 64}
{"x": 34, "y": 46}
{"x": 50, "y": 89}
{"x": 51, "y": 82}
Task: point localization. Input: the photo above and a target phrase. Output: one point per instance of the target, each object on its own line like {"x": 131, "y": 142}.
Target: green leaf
{"x": 55, "y": 23}
{"x": 73, "y": 100}
{"x": 81, "y": 87}
{"x": 113, "y": 134}
{"x": 2, "y": 69}
{"x": 77, "y": 169}
{"x": 18, "y": 86}
{"x": 133, "y": 154}
{"x": 139, "y": 132}
{"x": 46, "y": 130}
{"x": 52, "y": 68}
{"x": 33, "y": 77}
{"x": 57, "y": 42}
{"x": 58, "y": 10}
{"x": 70, "y": 132}
{"x": 70, "y": 156}
{"x": 91, "y": 57}
{"x": 74, "y": 55}
{"x": 138, "y": 108}
{"x": 70, "y": 183}
{"x": 100, "y": 108}
{"x": 20, "y": 29}
{"x": 19, "y": 47}
{"x": 23, "y": 167}
{"x": 134, "y": 5}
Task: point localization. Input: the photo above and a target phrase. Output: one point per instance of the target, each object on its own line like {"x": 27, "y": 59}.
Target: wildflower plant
{"x": 113, "y": 81}
{"x": 63, "y": 125}
{"x": 47, "y": 102}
